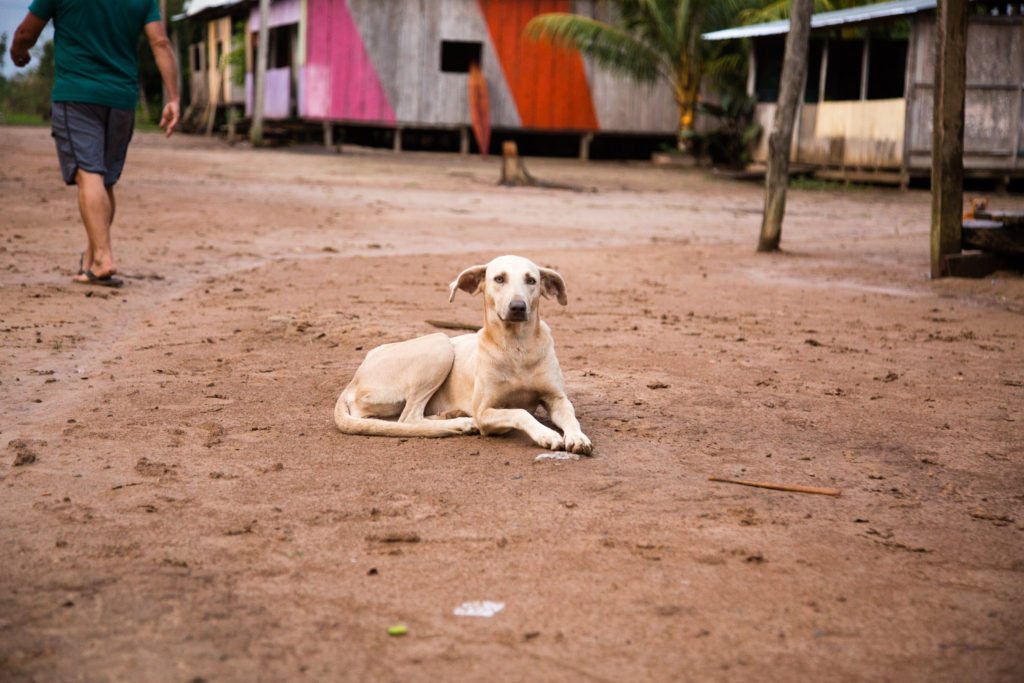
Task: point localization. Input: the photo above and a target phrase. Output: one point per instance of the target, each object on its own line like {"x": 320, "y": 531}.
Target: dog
{"x": 976, "y": 204}
{"x": 490, "y": 381}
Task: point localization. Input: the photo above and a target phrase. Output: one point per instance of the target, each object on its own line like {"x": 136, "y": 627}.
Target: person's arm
{"x": 25, "y": 38}
{"x": 168, "y": 66}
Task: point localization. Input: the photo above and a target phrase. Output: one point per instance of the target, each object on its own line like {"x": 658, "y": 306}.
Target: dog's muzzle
{"x": 516, "y": 311}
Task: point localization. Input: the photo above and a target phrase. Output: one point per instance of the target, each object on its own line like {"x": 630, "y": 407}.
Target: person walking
{"x": 95, "y": 90}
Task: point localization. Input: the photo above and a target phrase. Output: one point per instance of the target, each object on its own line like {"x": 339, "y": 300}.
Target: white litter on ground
{"x": 483, "y": 608}
{"x": 557, "y": 455}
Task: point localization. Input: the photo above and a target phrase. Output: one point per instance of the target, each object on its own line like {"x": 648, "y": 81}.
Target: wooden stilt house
{"x": 405, "y": 64}
{"x": 867, "y": 110}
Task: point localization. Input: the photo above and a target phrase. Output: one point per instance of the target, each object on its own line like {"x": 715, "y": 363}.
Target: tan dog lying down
{"x": 490, "y": 381}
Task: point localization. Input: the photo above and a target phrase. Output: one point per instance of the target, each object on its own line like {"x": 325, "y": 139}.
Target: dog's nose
{"x": 517, "y": 307}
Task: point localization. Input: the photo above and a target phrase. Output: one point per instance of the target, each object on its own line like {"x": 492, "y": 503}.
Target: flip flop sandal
{"x": 104, "y": 281}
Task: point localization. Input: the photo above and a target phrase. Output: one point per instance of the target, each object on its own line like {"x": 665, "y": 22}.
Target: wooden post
{"x": 328, "y": 134}
{"x": 948, "y": 131}
{"x": 463, "y": 140}
{"x": 751, "y": 70}
{"x": 865, "y": 64}
{"x": 260, "y": 86}
{"x": 396, "y": 141}
{"x": 585, "y": 141}
{"x": 909, "y": 92}
{"x": 823, "y": 74}
{"x": 794, "y": 72}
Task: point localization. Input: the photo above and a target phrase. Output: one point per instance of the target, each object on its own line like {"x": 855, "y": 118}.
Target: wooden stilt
{"x": 585, "y": 141}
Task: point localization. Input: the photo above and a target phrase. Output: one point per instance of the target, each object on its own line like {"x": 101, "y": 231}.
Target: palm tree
{"x": 652, "y": 40}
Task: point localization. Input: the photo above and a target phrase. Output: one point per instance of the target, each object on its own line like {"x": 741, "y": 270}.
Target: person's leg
{"x": 95, "y": 203}
{"x": 87, "y": 252}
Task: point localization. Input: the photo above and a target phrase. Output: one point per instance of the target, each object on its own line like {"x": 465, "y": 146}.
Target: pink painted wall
{"x": 282, "y": 12}
{"x": 340, "y": 79}
{"x": 277, "y": 99}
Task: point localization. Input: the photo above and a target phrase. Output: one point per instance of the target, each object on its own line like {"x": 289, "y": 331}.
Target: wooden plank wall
{"x": 379, "y": 60}
{"x": 885, "y": 134}
{"x": 993, "y": 120}
{"x": 410, "y": 68}
{"x": 871, "y": 132}
{"x": 864, "y": 134}
{"x": 621, "y": 104}
{"x": 340, "y": 81}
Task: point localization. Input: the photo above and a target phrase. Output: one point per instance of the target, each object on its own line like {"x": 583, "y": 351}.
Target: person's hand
{"x": 20, "y": 57}
{"x": 169, "y": 119}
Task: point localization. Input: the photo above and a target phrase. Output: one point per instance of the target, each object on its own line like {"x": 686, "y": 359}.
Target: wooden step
{"x": 993, "y": 236}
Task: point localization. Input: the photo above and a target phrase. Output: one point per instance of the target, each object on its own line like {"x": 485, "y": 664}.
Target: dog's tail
{"x": 367, "y": 426}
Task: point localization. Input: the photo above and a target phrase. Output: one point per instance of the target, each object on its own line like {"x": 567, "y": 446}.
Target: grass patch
{"x": 21, "y": 119}
{"x": 145, "y": 125}
{"x": 822, "y": 185}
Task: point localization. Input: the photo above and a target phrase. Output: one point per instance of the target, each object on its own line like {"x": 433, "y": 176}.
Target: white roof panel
{"x": 852, "y": 15}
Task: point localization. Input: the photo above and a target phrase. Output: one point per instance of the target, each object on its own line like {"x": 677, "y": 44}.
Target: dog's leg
{"x": 564, "y": 415}
{"x": 397, "y": 380}
{"x": 501, "y": 420}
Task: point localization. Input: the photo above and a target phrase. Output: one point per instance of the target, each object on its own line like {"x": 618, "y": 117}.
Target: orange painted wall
{"x": 549, "y": 85}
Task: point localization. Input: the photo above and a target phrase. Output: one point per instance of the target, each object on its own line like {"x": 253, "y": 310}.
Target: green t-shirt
{"x": 95, "y": 44}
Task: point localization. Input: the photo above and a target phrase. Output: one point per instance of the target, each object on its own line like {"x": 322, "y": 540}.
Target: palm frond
{"x": 773, "y": 10}
{"x": 609, "y": 46}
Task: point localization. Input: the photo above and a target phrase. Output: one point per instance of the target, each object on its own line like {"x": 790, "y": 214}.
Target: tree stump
{"x": 514, "y": 173}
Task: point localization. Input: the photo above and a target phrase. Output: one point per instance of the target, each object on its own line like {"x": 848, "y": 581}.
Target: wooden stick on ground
{"x": 780, "y": 487}
{"x": 446, "y": 325}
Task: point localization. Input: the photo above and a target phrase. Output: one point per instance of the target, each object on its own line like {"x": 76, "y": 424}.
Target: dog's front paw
{"x": 463, "y": 425}
{"x": 578, "y": 443}
{"x": 549, "y": 439}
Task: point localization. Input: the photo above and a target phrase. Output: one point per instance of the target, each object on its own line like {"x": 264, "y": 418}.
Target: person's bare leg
{"x": 96, "y": 205}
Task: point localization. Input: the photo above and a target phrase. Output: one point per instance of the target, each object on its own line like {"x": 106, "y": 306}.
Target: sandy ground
{"x": 192, "y": 514}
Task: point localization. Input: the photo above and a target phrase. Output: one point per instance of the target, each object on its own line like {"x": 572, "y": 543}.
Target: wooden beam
{"x": 948, "y": 131}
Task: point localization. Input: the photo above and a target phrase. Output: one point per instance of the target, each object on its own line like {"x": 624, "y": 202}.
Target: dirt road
{"x": 187, "y": 511}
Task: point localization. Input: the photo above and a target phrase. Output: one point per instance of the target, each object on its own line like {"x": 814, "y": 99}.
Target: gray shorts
{"x": 91, "y": 137}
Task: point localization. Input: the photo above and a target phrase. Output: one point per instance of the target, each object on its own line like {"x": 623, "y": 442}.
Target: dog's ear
{"x": 470, "y": 281}
{"x": 552, "y": 285}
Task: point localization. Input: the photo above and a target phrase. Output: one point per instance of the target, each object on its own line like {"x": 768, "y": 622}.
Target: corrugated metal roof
{"x": 852, "y": 15}
{"x": 194, "y": 7}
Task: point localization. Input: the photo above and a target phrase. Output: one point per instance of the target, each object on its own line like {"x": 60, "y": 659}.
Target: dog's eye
{"x": 500, "y": 279}
{"x": 530, "y": 280}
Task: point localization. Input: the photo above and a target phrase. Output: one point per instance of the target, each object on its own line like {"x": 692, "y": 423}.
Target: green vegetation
{"x": 236, "y": 58}
{"x": 25, "y": 98}
{"x": 651, "y": 41}
{"x": 822, "y": 185}
{"x": 659, "y": 40}
{"x": 20, "y": 119}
